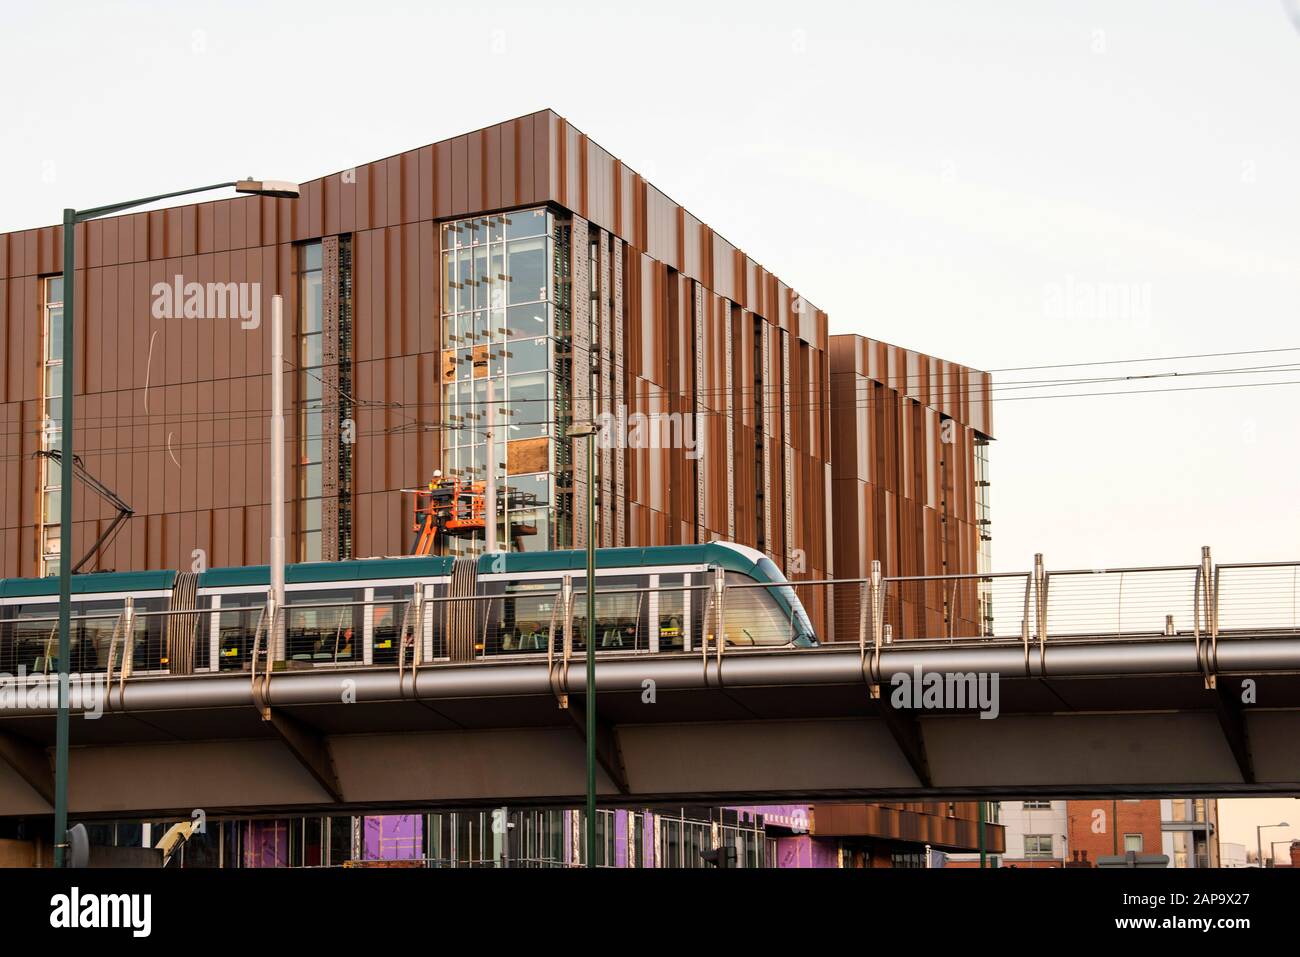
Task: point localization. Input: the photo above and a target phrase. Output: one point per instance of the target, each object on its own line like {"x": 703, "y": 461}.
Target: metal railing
{"x": 1201, "y": 602}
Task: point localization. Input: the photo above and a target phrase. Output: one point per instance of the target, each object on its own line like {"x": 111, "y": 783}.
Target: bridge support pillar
{"x": 30, "y": 762}
{"x": 311, "y": 749}
{"x": 609, "y": 754}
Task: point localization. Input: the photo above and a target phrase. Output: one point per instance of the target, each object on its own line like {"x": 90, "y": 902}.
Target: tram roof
{"x": 722, "y": 554}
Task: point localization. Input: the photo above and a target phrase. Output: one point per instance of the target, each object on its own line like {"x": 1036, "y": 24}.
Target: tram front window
{"x": 758, "y": 615}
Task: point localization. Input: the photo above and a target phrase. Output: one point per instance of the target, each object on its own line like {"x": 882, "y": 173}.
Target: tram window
{"x": 672, "y": 612}
{"x": 236, "y": 624}
{"x": 29, "y": 638}
{"x": 31, "y": 645}
{"x": 620, "y": 613}
{"x": 757, "y": 616}
{"x": 520, "y": 615}
{"x": 388, "y": 619}
{"x": 150, "y": 635}
{"x": 329, "y": 634}
{"x": 203, "y": 635}
{"x": 92, "y": 635}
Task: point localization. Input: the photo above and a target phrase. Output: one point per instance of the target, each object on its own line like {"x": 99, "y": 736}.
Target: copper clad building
{"x": 523, "y": 253}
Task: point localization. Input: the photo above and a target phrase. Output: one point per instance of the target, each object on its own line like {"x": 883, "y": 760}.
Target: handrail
{"x": 1171, "y": 602}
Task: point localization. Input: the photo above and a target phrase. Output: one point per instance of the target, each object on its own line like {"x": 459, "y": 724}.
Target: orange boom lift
{"x": 449, "y": 506}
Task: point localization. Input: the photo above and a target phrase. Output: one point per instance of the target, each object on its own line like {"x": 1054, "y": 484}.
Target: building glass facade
{"x": 311, "y": 414}
{"x": 498, "y": 327}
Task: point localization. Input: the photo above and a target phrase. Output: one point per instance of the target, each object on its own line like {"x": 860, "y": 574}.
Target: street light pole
{"x": 1272, "y": 850}
{"x": 588, "y": 430}
{"x": 71, "y": 217}
{"x": 65, "y": 540}
{"x": 591, "y": 647}
{"x": 1259, "y": 841}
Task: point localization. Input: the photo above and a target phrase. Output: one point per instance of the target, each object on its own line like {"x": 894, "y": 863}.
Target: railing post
{"x": 128, "y": 639}
{"x": 1040, "y": 603}
{"x": 417, "y": 628}
{"x": 1210, "y": 602}
{"x": 567, "y": 592}
{"x": 719, "y": 594}
{"x": 866, "y": 596}
{"x": 426, "y": 622}
{"x": 877, "y": 602}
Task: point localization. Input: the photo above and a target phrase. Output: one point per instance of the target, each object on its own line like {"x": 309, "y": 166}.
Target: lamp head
{"x": 279, "y": 188}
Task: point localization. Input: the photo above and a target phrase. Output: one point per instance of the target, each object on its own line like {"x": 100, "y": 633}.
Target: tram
{"x": 658, "y": 600}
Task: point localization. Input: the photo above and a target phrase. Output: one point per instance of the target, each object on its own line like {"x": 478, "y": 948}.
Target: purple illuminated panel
{"x": 394, "y": 837}
{"x": 804, "y": 850}
{"x": 266, "y": 844}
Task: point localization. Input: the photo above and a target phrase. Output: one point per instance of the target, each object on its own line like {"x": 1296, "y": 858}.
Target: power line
{"x": 422, "y": 427}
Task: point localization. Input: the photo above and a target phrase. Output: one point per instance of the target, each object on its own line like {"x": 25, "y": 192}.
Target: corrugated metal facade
{"x": 906, "y": 427}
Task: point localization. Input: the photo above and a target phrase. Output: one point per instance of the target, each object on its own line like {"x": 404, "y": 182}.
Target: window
{"x": 311, "y": 419}
{"x": 1038, "y": 845}
{"x": 1036, "y": 805}
{"x": 497, "y": 324}
{"x": 51, "y": 422}
{"x": 1133, "y": 842}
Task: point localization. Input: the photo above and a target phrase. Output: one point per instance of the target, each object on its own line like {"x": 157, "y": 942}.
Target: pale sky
{"x": 1006, "y": 184}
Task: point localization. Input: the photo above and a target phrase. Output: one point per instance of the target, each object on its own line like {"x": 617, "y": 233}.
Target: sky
{"x": 1004, "y": 185}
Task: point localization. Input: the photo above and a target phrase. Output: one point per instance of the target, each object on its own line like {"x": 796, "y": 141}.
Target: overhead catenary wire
{"x": 944, "y": 394}
{"x": 420, "y": 427}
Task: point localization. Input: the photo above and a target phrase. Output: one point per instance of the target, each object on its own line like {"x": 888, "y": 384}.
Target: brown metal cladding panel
{"x": 460, "y": 176}
{"x": 393, "y": 291}
{"x": 525, "y": 161}
{"x": 619, "y": 323}
{"x": 572, "y": 159}
{"x": 94, "y": 245}
{"x": 442, "y": 179}
{"x": 409, "y": 164}
{"x": 376, "y": 196}
{"x": 363, "y": 205}
{"x": 427, "y": 307}
{"x": 221, "y": 441}
{"x": 426, "y": 183}
{"x": 92, "y": 354}
{"x": 362, "y": 316}
{"x": 240, "y": 429}
{"x": 492, "y": 168}
{"x": 474, "y": 159}
{"x": 369, "y": 424}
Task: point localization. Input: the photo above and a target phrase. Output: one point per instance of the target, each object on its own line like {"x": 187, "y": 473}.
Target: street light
{"x": 71, "y": 217}
{"x": 1259, "y": 845}
{"x": 589, "y": 431}
{"x": 1272, "y": 850}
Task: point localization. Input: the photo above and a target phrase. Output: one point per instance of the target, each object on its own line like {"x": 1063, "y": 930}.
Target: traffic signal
{"x": 720, "y": 856}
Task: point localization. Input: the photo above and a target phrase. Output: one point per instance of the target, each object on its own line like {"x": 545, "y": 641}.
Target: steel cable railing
{"x": 1029, "y": 607}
